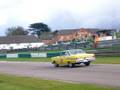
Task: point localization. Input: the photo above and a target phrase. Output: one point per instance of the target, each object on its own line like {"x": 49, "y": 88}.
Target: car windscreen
{"x": 62, "y": 53}
{"x": 76, "y": 51}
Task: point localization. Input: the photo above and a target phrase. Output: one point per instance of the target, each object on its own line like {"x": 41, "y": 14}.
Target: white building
{"x": 20, "y": 42}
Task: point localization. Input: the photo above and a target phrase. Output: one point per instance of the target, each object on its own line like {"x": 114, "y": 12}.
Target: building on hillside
{"x": 19, "y": 42}
{"x": 47, "y": 38}
{"x": 71, "y": 34}
{"x": 66, "y": 35}
{"x": 82, "y": 34}
{"x": 103, "y": 35}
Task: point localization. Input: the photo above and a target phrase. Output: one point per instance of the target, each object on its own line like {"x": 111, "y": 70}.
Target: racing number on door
{"x": 61, "y": 60}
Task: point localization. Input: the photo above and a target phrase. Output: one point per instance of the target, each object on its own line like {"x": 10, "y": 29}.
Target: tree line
{"x": 34, "y": 29}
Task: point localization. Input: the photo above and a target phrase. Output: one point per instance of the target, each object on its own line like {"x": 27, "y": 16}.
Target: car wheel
{"x": 56, "y": 65}
{"x": 87, "y": 63}
{"x": 71, "y": 65}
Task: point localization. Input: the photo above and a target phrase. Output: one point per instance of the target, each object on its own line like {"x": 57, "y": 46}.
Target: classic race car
{"x": 73, "y": 57}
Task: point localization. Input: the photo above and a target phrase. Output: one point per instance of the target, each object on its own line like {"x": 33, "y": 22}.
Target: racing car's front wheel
{"x": 71, "y": 65}
{"x": 87, "y": 63}
{"x": 56, "y": 65}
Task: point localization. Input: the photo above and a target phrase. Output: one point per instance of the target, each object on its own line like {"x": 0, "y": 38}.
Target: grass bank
{"x": 8, "y": 82}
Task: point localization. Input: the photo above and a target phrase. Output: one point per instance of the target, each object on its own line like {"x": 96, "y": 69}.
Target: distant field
{"x": 99, "y": 60}
{"x": 9, "y": 82}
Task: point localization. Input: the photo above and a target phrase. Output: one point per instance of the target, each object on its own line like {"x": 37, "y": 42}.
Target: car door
{"x": 61, "y": 60}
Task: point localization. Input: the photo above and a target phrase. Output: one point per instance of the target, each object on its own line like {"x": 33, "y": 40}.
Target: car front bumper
{"x": 85, "y": 60}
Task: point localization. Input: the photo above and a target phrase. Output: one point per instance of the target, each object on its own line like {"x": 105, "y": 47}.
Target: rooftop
{"x": 19, "y": 39}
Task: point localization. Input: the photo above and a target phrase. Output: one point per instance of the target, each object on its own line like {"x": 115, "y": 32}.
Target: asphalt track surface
{"x": 103, "y": 74}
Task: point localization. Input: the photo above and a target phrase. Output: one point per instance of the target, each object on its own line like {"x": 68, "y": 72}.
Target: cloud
{"x": 60, "y": 14}
{"x": 6, "y": 4}
{"x": 89, "y": 14}
{"x": 3, "y": 18}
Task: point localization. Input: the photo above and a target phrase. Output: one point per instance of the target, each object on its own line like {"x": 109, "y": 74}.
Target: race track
{"x": 103, "y": 74}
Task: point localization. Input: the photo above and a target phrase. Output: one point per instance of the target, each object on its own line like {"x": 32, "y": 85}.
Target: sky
{"x": 60, "y": 14}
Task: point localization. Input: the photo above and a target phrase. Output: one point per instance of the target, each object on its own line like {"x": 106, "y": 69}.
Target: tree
{"x": 39, "y": 28}
{"x": 13, "y": 31}
{"x": 55, "y": 32}
{"x": 118, "y": 34}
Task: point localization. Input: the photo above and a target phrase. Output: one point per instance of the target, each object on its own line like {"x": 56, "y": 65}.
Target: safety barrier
{"x": 49, "y": 55}
{"x": 29, "y": 55}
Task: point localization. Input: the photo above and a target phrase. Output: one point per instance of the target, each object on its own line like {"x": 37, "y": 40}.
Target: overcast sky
{"x": 60, "y": 14}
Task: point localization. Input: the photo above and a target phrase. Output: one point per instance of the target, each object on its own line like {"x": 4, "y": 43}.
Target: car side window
{"x": 66, "y": 54}
{"x": 62, "y": 53}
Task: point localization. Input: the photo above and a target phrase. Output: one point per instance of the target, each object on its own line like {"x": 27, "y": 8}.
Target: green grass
{"x": 8, "y": 82}
{"x": 107, "y": 60}
{"x": 108, "y": 49}
{"x": 118, "y": 35}
{"x": 26, "y": 59}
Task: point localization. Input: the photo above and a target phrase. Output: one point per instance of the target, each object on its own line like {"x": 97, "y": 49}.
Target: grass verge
{"x": 8, "y": 82}
{"x": 107, "y": 60}
{"x": 26, "y": 59}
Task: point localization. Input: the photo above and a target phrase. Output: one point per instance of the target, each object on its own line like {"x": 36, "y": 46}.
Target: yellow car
{"x": 73, "y": 57}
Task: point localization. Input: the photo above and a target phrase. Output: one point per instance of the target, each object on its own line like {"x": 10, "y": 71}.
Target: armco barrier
{"x": 49, "y": 55}
{"x": 31, "y": 55}
{"x": 2, "y": 55}
{"x": 53, "y": 54}
{"x": 38, "y": 55}
{"x": 12, "y": 55}
{"x": 24, "y": 55}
